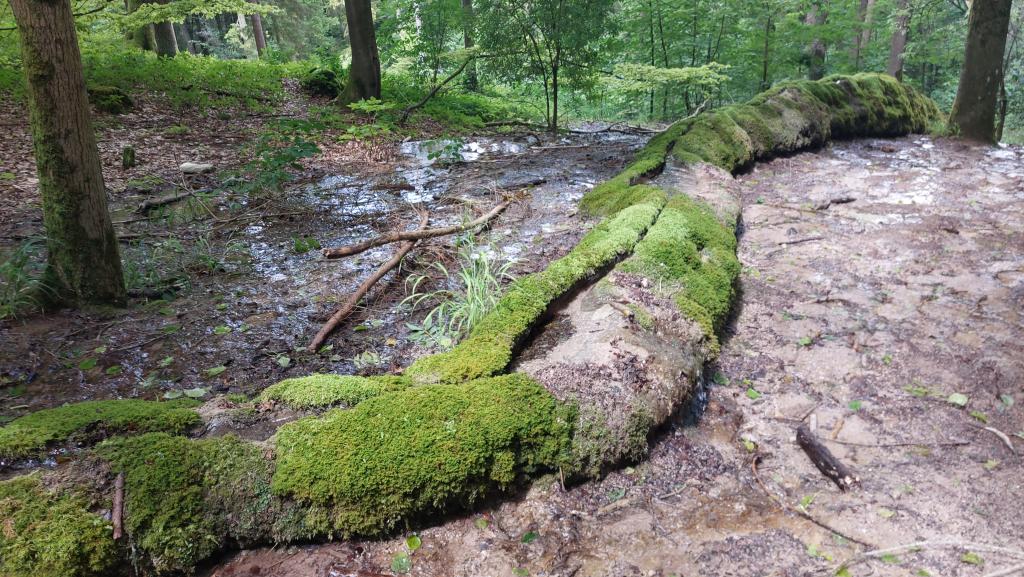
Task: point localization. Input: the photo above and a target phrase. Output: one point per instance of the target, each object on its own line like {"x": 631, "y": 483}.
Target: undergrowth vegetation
{"x": 21, "y": 271}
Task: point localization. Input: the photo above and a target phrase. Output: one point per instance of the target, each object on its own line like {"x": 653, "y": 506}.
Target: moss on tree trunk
{"x": 974, "y": 110}
{"x": 84, "y": 265}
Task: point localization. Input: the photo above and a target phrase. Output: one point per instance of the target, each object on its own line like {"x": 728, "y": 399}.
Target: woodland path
{"x": 880, "y": 278}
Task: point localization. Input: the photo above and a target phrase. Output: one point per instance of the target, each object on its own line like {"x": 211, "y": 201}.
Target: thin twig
{"x": 1008, "y": 571}
{"x": 921, "y": 545}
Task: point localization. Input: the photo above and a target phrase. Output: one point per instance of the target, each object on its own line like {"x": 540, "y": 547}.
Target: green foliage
{"x": 488, "y": 348}
{"x": 109, "y": 99}
{"x": 178, "y": 10}
{"x": 277, "y": 152}
{"x": 51, "y": 533}
{"x": 20, "y": 274}
{"x": 320, "y": 391}
{"x": 476, "y": 289}
{"x": 322, "y": 82}
{"x": 29, "y": 436}
{"x": 423, "y": 450}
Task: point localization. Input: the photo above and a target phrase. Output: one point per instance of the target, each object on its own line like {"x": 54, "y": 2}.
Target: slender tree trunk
{"x": 364, "y": 73}
{"x": 898, "y": 48}
{"x": 650, "y": 9}
{"x": 256, "y": 22}
{"x": 181, "y": 37}
{"x": 468, "y": 40}
{"x": 553, "y": 127}
{"x": 863, "y": 36}
{"x": 766, "y": 52}
{"x": 83, "y": 263}
{"x": 974, "y": 109}
{"x": 816, "y": 52}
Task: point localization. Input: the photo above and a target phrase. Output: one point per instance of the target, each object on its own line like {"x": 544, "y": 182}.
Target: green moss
{"x": 694, "y": 257}
{"x": 426, "y": 449}
{"x": 488, "y": 349}
{"x": 642, "y": 317}
{"x": 187, "y": 499}
{"x": 30, "y": 435}
{"x": 317, "y": 391}
{"x": 716, "y": 139}
{"x": 51, "y": 534}
{"x": 109, "y": 99}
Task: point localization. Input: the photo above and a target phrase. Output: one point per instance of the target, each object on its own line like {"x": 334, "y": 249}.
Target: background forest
{"x": 635, "y": 60}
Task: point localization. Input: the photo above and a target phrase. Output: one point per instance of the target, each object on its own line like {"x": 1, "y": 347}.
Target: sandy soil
{"x": 882, "y": 296}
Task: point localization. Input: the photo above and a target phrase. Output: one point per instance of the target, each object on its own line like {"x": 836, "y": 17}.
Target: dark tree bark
{"x": 816, "y": 52}
{"x": 257, "y": 33}
{"x": 863, "y": 35}
{"x": 181, "y": 37}
{"x": 898, "y": 48}
{"x": 974, "y": 110}
{"x": 364, "y": 73}
{"x": 83, "y": 262}
{"x": 468, "y": 33}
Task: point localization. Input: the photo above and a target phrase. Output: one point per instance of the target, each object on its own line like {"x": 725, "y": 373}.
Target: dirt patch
{"x": 859, "y": 316}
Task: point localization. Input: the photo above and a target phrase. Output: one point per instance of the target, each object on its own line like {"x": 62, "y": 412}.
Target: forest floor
{"x": 882, "y": 299}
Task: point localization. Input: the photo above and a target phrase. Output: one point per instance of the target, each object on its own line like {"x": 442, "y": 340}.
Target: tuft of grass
{"x": 20, "y": 274}
{"x": 475, "y": 289}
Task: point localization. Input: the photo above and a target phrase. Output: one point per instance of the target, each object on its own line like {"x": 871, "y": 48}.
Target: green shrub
{"x": 109, "y": 99}
{"x": 322, "y": 82}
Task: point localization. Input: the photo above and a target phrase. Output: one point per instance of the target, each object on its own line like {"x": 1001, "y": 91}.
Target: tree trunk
{"x": 83, "y": 262}
{"x": 553, "y": 127}
{"x": 364, "y": 73}
{"x": 899, "y": 40}
{"x": 974, "y": 109}
{"x": 468, "y": 29}
{"x": 816, "y": 51}
{"x": 165, "y": 43}
{"x": 256, "y": 21}
{"x": 766, "y": 53}
{"x": 140, "y": 36}
{"x": 181, "y": 37}
{"x": 863, "y": 35}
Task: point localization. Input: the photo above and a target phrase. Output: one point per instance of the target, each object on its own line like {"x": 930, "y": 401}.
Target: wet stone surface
{"x": 880, "y": 278}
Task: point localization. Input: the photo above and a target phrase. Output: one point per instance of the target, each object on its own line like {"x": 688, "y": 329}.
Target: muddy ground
{"x": 881, "y": 304}
{"x": 248, "y": 287}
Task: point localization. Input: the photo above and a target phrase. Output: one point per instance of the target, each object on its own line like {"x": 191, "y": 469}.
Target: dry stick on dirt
{"x": 922, "y": 545}
{"x": 117, "y": 510}
{"x": 824, "y": 460}
{"x": 422, "y": 233}
{"x": 801, "y": 513}
{"x": 346, "y": 309}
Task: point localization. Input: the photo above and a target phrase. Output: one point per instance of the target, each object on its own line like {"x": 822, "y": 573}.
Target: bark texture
{"x": 84, "y": 265}
{"x": 900, "y": 34}
{"x": 256, "y": 21}
{"x": 364, "y": 73}
{"x": 974, "y": 110}
{"x": 164, "y": 41}
{"x": 816, "y": 52}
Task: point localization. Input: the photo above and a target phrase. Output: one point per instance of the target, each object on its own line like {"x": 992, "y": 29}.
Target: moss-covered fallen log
{"x": 454, "y": 427}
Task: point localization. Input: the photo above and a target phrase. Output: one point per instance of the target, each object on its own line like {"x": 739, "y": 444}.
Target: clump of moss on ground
{"x": 51, "y": 534}
{"x": 488, "y": 349}
{"x": 30, "y": 435}
{"x": 317, "y": 391}
{"x": 426, "y": 449}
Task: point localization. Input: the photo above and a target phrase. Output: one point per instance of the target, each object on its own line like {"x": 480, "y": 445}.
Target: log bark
{"x": 364, "y": 72}
{"x": 831, "y": 467}
{"x": 974, "y": 110}
{"x": 83, "y": 263}
{"x": 342, "y": 252}
{"x": 346, "y": 309}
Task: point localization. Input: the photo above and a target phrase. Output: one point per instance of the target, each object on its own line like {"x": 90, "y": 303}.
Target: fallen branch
{"x": 422, "y": 233}
{"x": 346, "y": 309}
{"x": 1008, "y": 571}
{"x": 840, "y": 474}
{"x": 148, "y": 205}
{"x": 432, "y": 93}
{"x": 117, "y": 510}
{"x": 1002, "y": 437}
